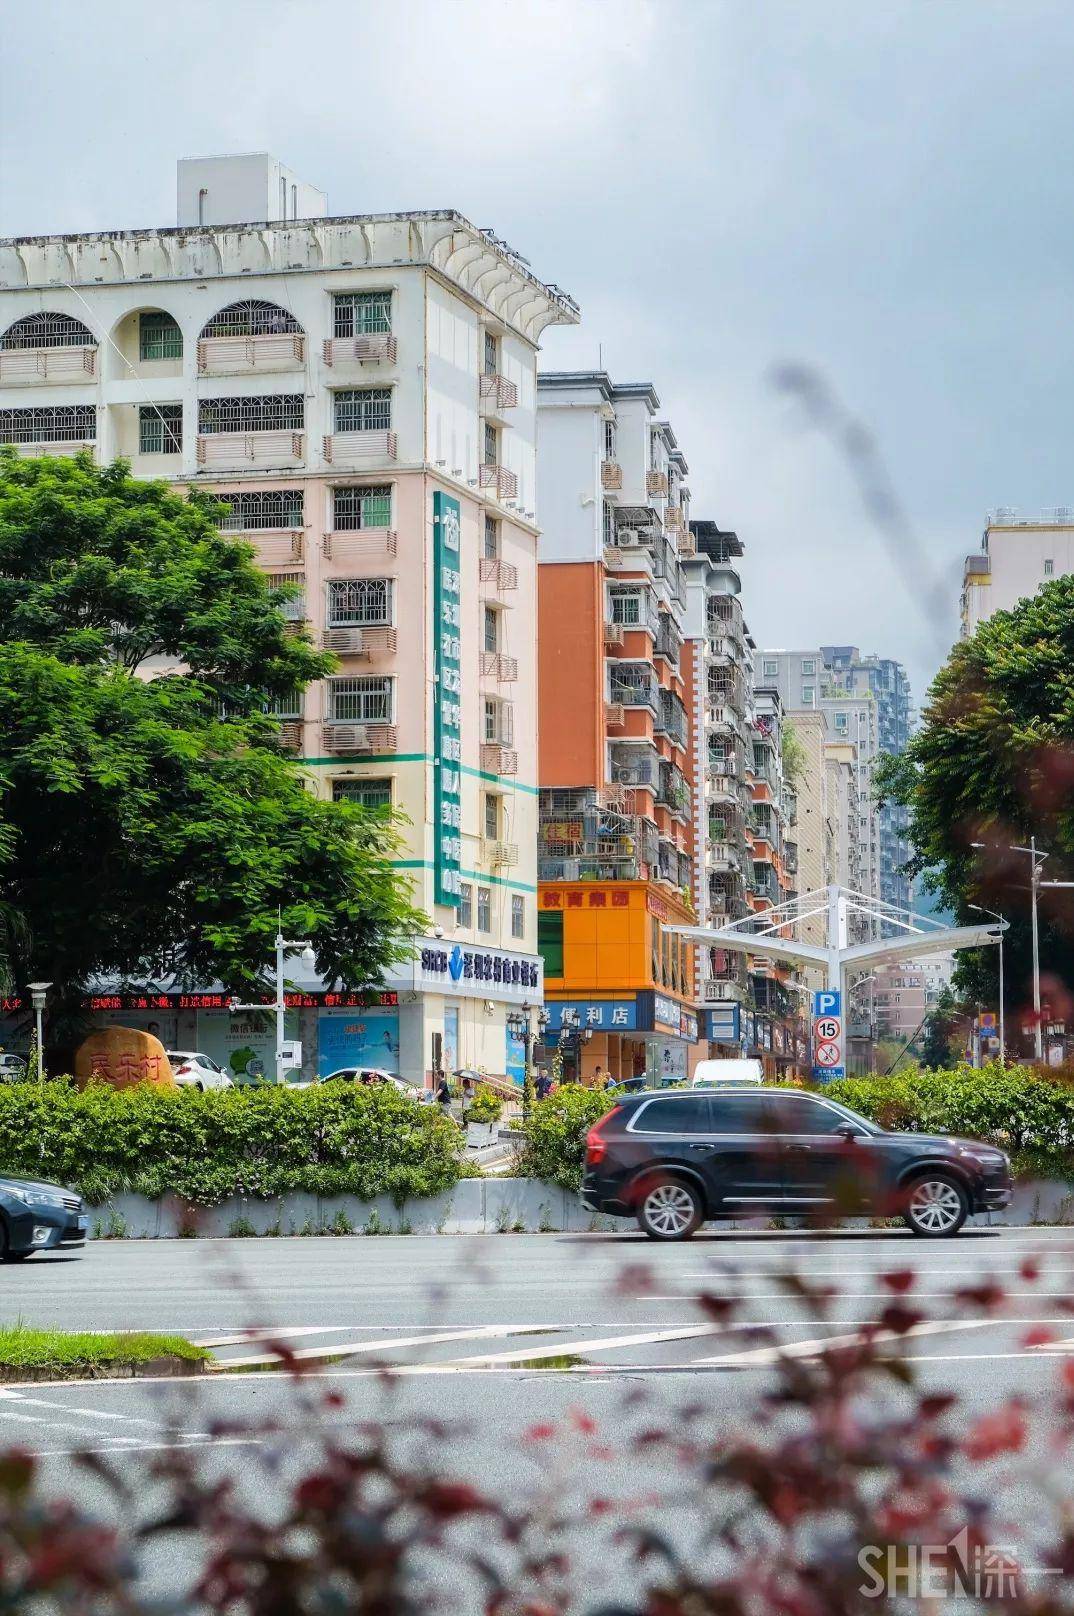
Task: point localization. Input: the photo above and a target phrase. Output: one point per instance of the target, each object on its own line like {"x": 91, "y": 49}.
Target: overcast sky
{"x": 879, "y": 193}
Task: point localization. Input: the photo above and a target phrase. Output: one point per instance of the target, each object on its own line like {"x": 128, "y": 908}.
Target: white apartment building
{"x": 1018, "y": 554}
{"x": 360, "y": 392}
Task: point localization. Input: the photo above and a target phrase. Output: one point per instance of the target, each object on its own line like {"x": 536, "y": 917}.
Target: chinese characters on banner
{"x": 447, "y": 700}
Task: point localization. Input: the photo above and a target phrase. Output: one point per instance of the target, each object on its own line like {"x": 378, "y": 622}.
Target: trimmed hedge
{"x": 335, "y": 1140}
{"x": 1026, "y": 1111}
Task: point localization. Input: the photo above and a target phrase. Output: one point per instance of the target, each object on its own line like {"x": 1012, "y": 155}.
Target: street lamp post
{"x": 38, "y": 992}
{"x": 981, "y": 910}
{"x": 1034, "y": 888}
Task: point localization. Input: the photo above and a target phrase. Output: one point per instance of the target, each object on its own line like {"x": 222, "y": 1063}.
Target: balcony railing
{"x": 497, "y": 758}
{"x": 633, "y": 771}
{"x": 31, "y": 365}
{"x": 501, "y": 854}
{"x": 360, "y": 544}
{"x": 611, "y": 475}
{"x": 633, "y": 693}
{"x": 500, "y": 574}
{"x": 349, "y": 639}
{"x": 504, "y": 669}
{"x": 344, "y": 740}
{"x": 501, "y": 482}
{"x": 497, "y": 394}
{"x": 251, "y": 448}
{"x": 237, "y": 356}
{"x": 378, "y": 348}
{"x": 714, "y": 990}
{"x": 64, "y": 446}
{"x": 360, "y": 448}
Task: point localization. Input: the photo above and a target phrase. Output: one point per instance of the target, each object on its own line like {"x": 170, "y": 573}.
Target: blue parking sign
{"x": 828, "y": 1003}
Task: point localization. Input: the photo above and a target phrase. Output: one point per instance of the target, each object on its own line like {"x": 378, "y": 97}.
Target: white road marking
{"x": 269, "y": 1332}
{"x": 606, "y": 1344}
{"x": 812, "y": 1349}
{"x": 351, "y": 1348}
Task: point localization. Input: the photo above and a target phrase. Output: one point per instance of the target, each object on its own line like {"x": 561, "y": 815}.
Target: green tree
{"x": 794, "y": 755}
{"x": 993, "y": 762}
{"x": 151, "y": 823}
{"x": 944, "y": 1031}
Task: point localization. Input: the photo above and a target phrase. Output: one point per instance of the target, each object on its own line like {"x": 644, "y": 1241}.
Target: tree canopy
{"x": 993, "y": 762}
{"x": 150, "y": 824}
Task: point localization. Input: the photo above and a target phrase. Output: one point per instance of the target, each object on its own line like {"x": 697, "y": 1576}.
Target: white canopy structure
{"x": 776, "y": 934}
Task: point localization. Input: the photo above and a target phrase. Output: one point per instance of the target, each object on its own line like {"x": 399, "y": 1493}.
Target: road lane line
{"x": 606, "y": 1344}
{"x": 348, "y": 1349}
{"x": 812, "y": 1349}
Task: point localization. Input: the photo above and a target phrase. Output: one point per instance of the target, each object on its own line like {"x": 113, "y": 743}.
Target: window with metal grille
{"x": 499, "y": 721}
{"x": 270, "y": 412}
{"x": 359, "y": 600}
{"x": 518, "y": 915}
{"x": 363, "y": 409}
{"x": 492, "y": 538}
{"x": 362, "y": 314}
{"x": 360, "y": 701}
{"x": 160, "y": 429}
{"x": 492, "y": 445}
{"x": 484, "y": 909}
{"x": 608, "y": 523}
{"x": 491, "y": 629}
{"x": 288, "y": 705}
{"x": 492, "y": 817}
{"x": 247, "y": 513}
{"x": 252, "y": 318}
{"x": 48, "y": 331}
{"x": 354, "y": 508}
{"x": 159, "y": 337}
{"x": 466, "y": 906}
{"x": 626, "y": 609}
{"x": 492, "y": 353}
{"x": 294, "y": 610}
{"x": 373, "y": 795}
{"x": 57, "y": 423}
{"x": 609, "y": 440}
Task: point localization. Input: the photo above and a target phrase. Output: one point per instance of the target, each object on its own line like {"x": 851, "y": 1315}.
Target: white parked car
{"x": 194, "y": 1071}
{"x": 375, "y": 1074}
{"x": 12, "y": 1068}
{"x": 714, "y": 1074}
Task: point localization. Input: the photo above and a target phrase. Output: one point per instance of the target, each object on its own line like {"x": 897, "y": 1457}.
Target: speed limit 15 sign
{"x": 827, "y": 1029}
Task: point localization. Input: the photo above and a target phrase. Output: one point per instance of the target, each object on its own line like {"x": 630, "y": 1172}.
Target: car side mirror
{"x": 847, "y": 1130}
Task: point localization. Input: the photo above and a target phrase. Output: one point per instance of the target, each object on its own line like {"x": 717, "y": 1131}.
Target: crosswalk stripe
{"x": 812, "y": 1349}
{"x": 348, "y": 1349}
{"x": 567, "y": 1347}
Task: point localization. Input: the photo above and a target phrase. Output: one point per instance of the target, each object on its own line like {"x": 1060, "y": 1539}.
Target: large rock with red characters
{"x": 123, "y": 1056}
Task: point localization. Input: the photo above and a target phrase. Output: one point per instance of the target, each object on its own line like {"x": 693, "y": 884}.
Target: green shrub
{"x": 331, "y": 1140}
{"x": 554, "y": 1134}
{"x": 486, "y": 1105}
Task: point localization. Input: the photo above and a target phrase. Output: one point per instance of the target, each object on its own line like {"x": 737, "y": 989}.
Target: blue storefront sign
{"x": 722, "y": 1025}
{"x": 447, "y": 699}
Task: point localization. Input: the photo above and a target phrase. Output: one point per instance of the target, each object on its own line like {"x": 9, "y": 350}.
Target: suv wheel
{"x": 937, "y": 1206}
{"x": 669, "y": 1209}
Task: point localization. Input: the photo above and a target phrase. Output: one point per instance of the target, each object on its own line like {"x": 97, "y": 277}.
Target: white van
{"x": 714, "y": 1074}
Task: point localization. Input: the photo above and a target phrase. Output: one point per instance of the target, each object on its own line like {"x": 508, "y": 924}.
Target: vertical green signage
{"x": 447, "y": 701}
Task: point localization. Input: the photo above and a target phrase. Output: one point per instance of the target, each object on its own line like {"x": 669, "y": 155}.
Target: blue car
{"x": 38, "y": 1217}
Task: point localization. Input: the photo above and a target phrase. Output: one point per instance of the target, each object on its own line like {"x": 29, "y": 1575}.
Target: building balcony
{"x": 275, "y": 547}
{"x": 611, "y": 475}
{"x": 350, "y": 740}
{"x": 722, "y": 857}
{"x": 496, "y": 758}
{"x": 360, "y": 448}
{"x": 30, "y": 366}
{"x": 350, "y": 640}
{"x": 501, "y": 855}
{"x": 343, "y": 353}
{"x": 498, "y": 480}
{"x": 243, "y": 356}
{"x": 39, "y": 448}
{"x": 715, "y": 990}
{"x": 634, "y": 689}
{"x": 362, "y": 544}
{"x": 241, "y": 449}
{"x": 497, "y": 395}
{"x": 634, "y": 766}
{"x": 499, "y": 575}
{"x": 502, "y": 669}
{"x": 656, "y": 483}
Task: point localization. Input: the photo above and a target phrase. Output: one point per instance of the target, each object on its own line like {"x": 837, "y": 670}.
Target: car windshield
{"x": 852, "y": 1116}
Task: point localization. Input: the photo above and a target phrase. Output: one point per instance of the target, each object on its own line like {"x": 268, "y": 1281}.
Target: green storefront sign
{"x": 447, "y": 700}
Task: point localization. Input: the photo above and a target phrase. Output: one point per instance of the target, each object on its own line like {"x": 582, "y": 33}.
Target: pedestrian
{"x": 543, "y": 1086}
{"x": 598, "y": 1076}
{"x": 467, "y": 1090}
{"x": 443, "y": 1094}
{"x": 610, "y": 1083}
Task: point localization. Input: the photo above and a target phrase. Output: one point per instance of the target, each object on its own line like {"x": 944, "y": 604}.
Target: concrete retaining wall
{"x": 474, "y": 1206}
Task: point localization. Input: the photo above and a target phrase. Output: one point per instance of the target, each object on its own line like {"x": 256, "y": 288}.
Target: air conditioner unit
{"x": 350, "y": 737}
{"x": 344, "y": 641}
{"x": 627, "y": 538}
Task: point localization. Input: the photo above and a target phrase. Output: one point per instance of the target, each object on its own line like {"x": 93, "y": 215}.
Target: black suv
{"x": 675, "y": 1160}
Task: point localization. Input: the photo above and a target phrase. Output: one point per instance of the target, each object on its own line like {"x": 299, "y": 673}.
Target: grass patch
{"x": 562, "y": 1360}
{"x": 24, "y": 1348}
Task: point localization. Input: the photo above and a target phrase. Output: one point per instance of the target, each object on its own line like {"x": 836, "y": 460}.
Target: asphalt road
{"x": 498, "y": 1334}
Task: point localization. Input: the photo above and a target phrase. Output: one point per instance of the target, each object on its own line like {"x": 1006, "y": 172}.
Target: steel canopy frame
{"x": 920, "y": 934}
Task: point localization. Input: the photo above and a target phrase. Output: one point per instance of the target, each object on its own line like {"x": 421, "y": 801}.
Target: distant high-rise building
{"x": 1017, "y": 555}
